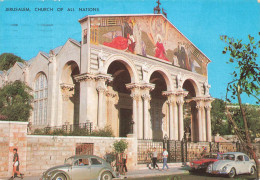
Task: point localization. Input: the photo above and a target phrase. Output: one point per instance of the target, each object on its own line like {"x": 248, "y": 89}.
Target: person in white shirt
{"x": 165, "y": 156}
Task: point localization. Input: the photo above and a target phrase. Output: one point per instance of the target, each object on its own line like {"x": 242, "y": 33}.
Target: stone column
{"x": 140, "y": 127}
{"x": 180, "y": 113}
{"x": 175, "y": 121}
{"x": 199, "y": 108}
{"x": 180, "y": 101}
{"x": 135, "y": 94}
{"x": 88, "y": 97}
{"x": 208, "y": 108}
{"x": 146, "y": 105}
{"x": 173, "y": 116}
{"x": 101, "y": 89}
{"x": 147, "y": 123}
{"x": 203, "y": 123}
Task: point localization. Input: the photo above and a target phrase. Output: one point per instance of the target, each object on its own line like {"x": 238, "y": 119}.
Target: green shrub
{"x": 120, "y": 146}
{"x": 105, "y": 132}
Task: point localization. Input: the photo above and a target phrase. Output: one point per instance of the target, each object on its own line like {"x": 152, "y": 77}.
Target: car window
{"x": 240, "y": 158}
{"x": 81, "y": 162}
{"x": 246, "y": 158}
{"x": 95, "y": 161}
{"x": 228, "y": 157}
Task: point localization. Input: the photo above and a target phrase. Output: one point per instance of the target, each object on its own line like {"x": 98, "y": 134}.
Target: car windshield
{"x": 228, "y": 157}
{"x": 210, "y": 156}
{"x": 69, "y": 161}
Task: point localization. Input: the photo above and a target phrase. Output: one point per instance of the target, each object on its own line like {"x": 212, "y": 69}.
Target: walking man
{"x": 155, "y": 154}
{"x": 165, "y": 156}
{"x": 16, "y": 165}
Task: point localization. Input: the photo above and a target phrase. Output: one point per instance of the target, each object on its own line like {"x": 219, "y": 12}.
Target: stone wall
{"x": 38, "y": 153}
{"x": 12, "y": 135}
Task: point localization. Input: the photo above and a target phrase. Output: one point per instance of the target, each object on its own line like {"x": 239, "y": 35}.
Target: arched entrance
{"x": 190, "y": 112}
{"x": 158, "y": 106}
{"x": 123, "y": 106}
{"x": 70, "y": 93}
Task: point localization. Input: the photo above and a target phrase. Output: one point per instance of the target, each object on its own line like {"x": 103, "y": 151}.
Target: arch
{"x": 194, "y": 83}
{"x": 70, "y": 92}
{"x": 127, "y": 62}
{"x": 67, "y": 70}
{"x": 166, "y": 75}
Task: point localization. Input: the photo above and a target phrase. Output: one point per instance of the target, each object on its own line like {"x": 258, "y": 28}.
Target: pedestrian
{"x": 165, "y": 156}
{"x": 124, "y": 157}
{"x": 204, "y": 150}
{"x": 16, "y": 165}
{"x": 155, "y": 155}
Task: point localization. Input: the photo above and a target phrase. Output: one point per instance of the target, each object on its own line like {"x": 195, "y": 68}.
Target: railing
{"x": 182, "y": 151}
{"x": 68, "y": 128}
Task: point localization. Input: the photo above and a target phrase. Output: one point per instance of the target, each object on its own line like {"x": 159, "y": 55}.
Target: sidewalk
{"x": 144, "y": 172}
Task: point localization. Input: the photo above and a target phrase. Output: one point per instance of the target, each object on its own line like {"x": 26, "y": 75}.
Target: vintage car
{"x": 231, "y": 164}
{"x": 202, "y": 164}
{"x": 82, "y": 167}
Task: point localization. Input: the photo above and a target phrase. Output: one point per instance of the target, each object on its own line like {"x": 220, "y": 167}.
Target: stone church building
{"x": 137, "y": 74}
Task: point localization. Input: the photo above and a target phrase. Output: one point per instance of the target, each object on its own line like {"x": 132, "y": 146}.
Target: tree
{"x": 15, "y": 101}
{"x": 252, "y": 114}
{"x": 246, "y": 79}
{"x": 7, "y": 60}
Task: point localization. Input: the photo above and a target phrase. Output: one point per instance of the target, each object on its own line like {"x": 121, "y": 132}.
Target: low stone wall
{"x": 38, "y": 153}
{"x": 12, "y": 135}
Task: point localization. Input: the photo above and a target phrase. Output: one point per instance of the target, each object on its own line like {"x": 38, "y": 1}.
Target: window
{"x": 40, "y": 99}
{"x": 82, "y": 162}
{"x": 246, "y": 158}
{"x": 240, "y": 158}
{"x": 95, "y": 161}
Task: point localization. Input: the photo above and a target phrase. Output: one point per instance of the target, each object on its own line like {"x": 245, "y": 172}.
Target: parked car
{"x": 232, "y": 164}
{"x": 202, "y": 164}
{"x": 82, "y": 167}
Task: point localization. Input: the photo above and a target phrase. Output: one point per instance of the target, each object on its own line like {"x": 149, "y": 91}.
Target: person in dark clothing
{"x": 16, "y": 165}
{"x": 154, "y": 159}
{"x": 124, "y": 157}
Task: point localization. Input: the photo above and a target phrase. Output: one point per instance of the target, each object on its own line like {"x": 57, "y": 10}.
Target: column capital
{"x": 208, "y": 107}
{"x": 146, "y": 96}
{"x": 103, "y": 77}
{"x": 101, "y": 89}
{"x": 84, "y": 77}
{"x": 67, "y": 87}
{"x": 133, "y": 86}
{"x": 147, "y": 86}
{"x": 111, "y": 94}
{"x": 180, "y": 102}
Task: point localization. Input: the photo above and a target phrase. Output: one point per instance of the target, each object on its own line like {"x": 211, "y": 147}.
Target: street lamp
{"x": 165, "y": 139}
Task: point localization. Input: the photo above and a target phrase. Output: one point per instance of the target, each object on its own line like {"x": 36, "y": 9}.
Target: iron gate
{"x": 181, "y": 151}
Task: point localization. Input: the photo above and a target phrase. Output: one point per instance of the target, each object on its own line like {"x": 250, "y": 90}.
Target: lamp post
{"x": 165, "y": 139}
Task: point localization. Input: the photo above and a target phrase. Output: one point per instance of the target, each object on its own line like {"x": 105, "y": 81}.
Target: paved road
{"x": 177, "y": 177}
{"x": 196, "y": 177}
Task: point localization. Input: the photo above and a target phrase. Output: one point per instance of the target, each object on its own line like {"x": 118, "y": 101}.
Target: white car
{"x": 231, "y": 164}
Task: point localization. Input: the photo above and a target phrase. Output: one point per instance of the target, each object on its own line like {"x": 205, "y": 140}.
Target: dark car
{"x": 82, "y": 167}
{"x": 202, "y": 164}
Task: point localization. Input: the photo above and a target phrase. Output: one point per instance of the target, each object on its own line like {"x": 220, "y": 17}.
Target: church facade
{"x": 137, "y": 74}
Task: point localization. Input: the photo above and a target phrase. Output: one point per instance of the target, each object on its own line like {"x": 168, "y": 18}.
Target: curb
{"x": 162, "y": 173}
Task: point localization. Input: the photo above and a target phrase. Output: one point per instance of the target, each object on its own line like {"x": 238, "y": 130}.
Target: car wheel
{"x": 252, "y": 170}
{"x": 232, "y": 173}
{"x": 106, "y": 176}
{"x": 60, "y": 177}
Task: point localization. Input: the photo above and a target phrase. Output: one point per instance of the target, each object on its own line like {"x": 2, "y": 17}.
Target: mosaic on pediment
{"x": 148, "y": 36}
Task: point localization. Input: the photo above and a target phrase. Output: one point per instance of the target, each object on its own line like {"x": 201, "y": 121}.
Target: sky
{"x": 201, "y": 21}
